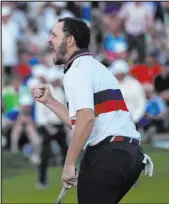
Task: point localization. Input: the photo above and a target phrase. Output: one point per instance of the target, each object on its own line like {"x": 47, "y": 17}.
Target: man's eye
{"x": 54, "y": 34}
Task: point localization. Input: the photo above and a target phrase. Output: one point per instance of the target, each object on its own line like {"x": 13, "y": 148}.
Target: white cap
{"x": 6, "y": 10}
{"x": 39, "y": 70}
{"x": 61, "y": 4}
{"x": 119, "y": 66}
{"x": 54, "y": 74}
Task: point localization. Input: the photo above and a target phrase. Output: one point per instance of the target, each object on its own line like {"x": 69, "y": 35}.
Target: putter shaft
{"x": 61, "y": 195}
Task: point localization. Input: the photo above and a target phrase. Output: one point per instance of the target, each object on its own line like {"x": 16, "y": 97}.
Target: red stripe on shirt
{"x": 73, "y": 122}
{"x": 109, "y": 106}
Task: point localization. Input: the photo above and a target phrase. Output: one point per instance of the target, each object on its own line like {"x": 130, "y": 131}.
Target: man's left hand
{"x": 69, "y": 176}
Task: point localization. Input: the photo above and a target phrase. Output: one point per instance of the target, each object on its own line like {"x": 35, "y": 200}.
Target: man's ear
{"x": 71, "y": 41}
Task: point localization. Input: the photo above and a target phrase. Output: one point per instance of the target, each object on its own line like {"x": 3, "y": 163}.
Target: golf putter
{"x": 61, "y": 195}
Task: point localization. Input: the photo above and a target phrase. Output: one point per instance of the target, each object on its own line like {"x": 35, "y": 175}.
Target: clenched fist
{"x": 42, "y": 93}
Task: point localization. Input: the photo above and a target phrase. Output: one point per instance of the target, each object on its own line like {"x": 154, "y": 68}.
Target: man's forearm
{"x": 60, "y": 110}
{"x": 83, "y": 129}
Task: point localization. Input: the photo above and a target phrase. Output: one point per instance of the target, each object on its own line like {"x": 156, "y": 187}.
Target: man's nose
{"x": 49, "y": 39}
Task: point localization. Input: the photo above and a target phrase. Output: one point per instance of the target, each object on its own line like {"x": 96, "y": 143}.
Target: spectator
{"x": 39, "y": 73}
{"x": 22, "y": 6}
{"x": 34, "y": 9}
{"x": 61, "y": 10}
{"x": 51, "y": 129}
{"x": 23, "y": 69}
{"x": 74, "y": 8}
{"x": 55, "y": 78}
{"x": 132, "y": 90}
{"x": 36, "y": 40}
{"x": 19, "y": 17}
{"x": 137, "y": 17}
{"x": 86, "y": 9}
{"x": 50, "y": 12}
{"x": 115, "y": 45}
{"x": 10, "y": 100}
{"x": 159, "y": 13}
{"x": 161, "y": 83}
{"x": 145, "y": 73}
{"x": 25, "y": 123}
{"x": 155, "y": 42}
{"x": 155, "y": 112}
{"x": 112, "y": 6}
{"x": 165, "y": 7}
{"x": 17, "y": 108}
{"x": 9, "y": 41}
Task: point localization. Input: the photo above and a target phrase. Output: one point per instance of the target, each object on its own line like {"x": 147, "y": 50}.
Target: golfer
{"x": 98, "y": 115}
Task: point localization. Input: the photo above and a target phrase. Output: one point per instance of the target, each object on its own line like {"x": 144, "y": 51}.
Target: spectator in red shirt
{"x": 145, "y": 73}
{"x": 24, "y": 69}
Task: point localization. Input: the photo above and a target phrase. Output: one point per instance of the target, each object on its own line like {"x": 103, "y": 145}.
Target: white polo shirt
{"x": 89, "y": 84}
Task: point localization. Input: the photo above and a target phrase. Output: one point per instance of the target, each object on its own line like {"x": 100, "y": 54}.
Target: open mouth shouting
{"x": 51, "y": 46}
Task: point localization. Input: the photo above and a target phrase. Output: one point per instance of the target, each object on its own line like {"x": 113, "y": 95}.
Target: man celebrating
{"x": 99, "y": 117}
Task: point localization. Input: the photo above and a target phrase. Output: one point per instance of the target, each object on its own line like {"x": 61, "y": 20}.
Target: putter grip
{"x": 62, "y": 192}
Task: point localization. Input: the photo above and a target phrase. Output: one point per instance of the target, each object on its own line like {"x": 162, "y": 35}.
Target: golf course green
{"x": 20, "y": 187}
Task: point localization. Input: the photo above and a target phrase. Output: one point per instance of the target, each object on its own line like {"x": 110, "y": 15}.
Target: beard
{"x": 60, "y": 58}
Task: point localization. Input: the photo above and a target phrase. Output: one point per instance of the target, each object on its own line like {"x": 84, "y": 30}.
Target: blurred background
{"x": 132, "y": 40}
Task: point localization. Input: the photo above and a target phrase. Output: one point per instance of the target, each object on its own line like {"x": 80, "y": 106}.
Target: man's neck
{"x": 77, "y": 53}
{"x": 70, "y": 53}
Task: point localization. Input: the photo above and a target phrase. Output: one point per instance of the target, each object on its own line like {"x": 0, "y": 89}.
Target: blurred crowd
{"x": 130, "y": 38}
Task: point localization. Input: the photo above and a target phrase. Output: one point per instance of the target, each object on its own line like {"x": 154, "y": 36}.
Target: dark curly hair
{"x": 78, "y": 29}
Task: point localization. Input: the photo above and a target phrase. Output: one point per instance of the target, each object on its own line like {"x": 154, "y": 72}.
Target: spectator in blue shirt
{"x": 155, "y": 112}
{"x": 115, "y": 43}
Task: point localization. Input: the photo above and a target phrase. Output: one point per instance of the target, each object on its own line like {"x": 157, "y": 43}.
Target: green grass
{"x": 21, "y": 187}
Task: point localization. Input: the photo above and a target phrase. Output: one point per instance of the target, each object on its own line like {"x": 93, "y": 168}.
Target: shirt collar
{"x": 79, "y": 53}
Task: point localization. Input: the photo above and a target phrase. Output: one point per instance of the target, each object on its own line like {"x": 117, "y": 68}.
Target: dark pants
{"x": 138, "y": 43}
{"x": 7, "y": 133}
{"x": 60, "y": 137}
{"x": 108, "y": 171}
{"x": 158, "y": 124}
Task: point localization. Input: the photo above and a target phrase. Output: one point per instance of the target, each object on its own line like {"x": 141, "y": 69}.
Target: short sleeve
{"x": 82, "y": 88}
